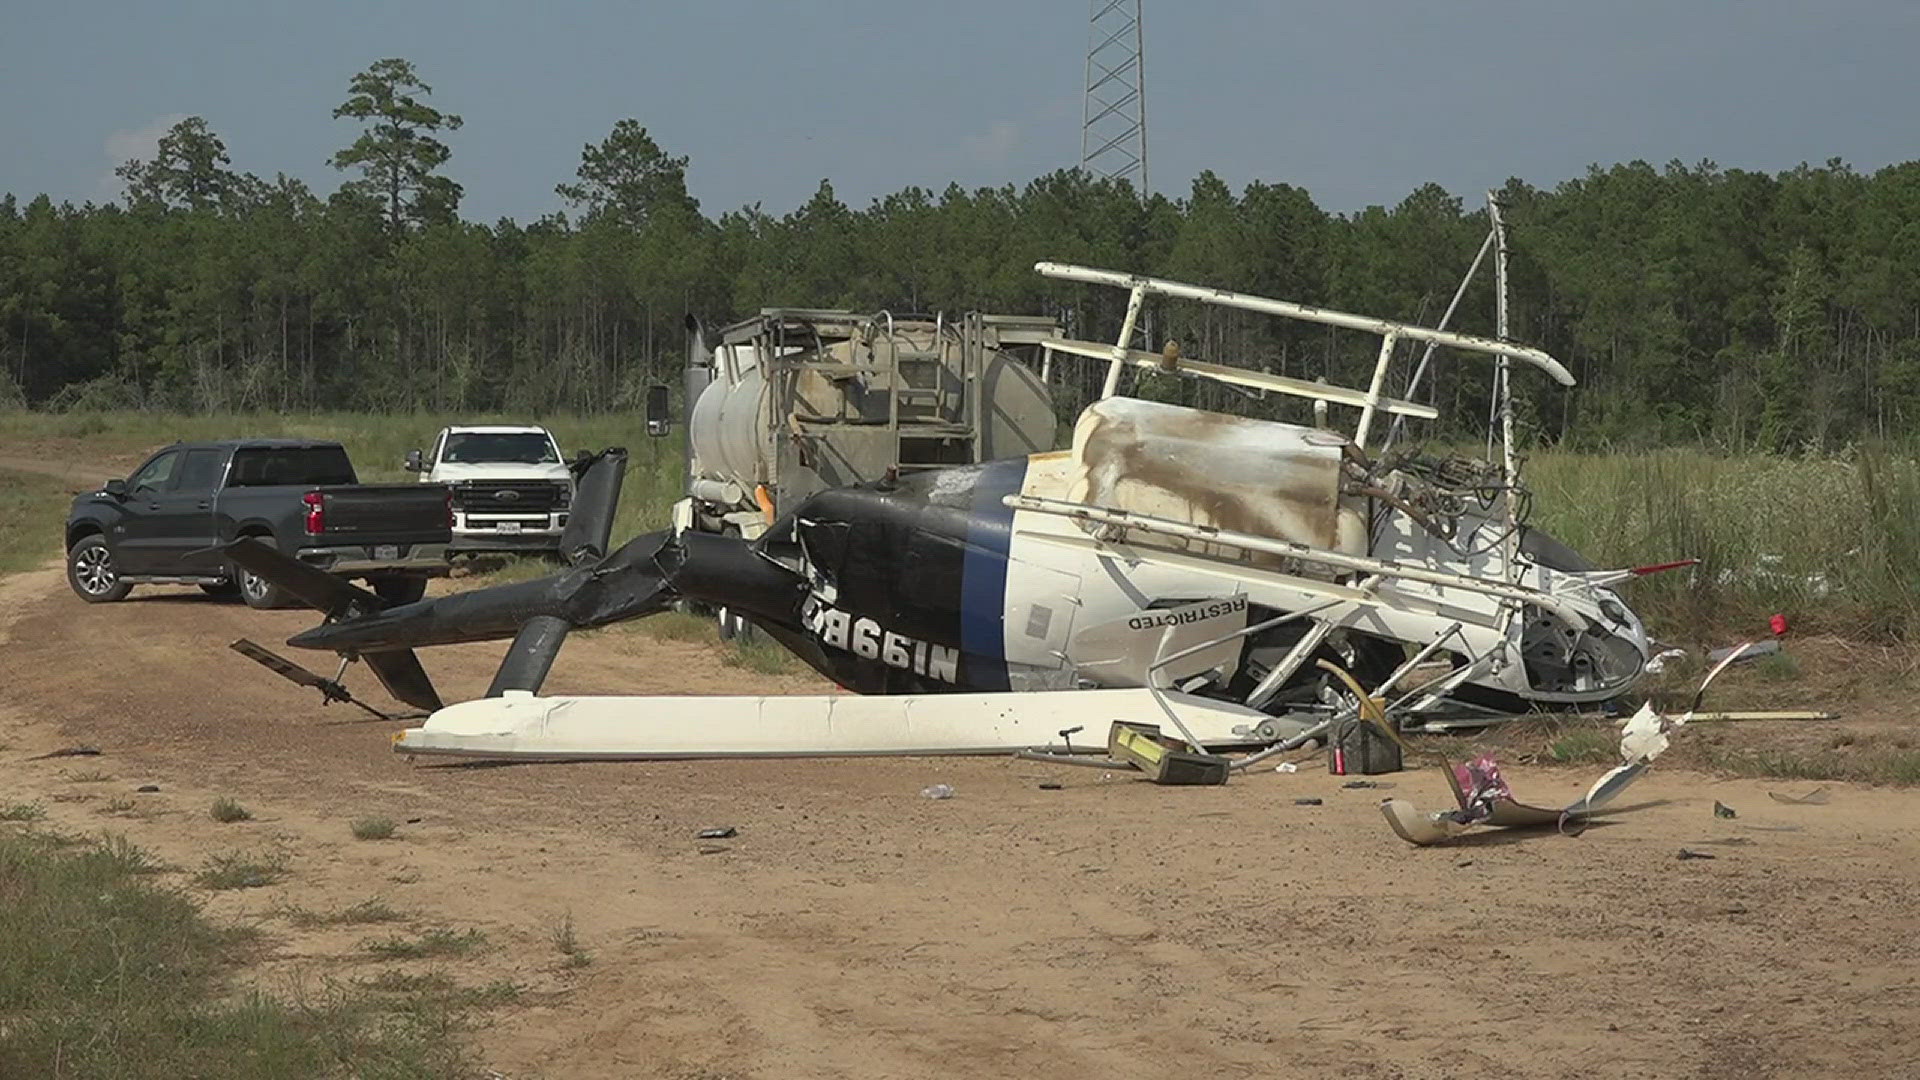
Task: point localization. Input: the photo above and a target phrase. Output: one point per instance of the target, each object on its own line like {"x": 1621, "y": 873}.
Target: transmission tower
{"x": 1113, "y": 125}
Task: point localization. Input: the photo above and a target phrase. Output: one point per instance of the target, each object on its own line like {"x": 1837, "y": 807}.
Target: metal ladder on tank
{"x": 940, "y": 434}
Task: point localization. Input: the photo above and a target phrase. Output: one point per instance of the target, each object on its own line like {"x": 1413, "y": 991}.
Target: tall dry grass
{"x": 1831, "y": 542}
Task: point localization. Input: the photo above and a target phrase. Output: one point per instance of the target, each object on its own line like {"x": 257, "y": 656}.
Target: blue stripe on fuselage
{"x": 983, "y": 578}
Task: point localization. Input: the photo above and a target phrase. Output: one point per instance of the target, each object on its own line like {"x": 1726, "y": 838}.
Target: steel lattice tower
{"x": 1113, "y": 126}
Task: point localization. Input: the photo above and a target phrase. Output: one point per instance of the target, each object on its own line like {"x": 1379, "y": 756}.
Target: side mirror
{"x": 658, "y": 421}
{"x": 413, "y": 463}
{"x": 116, "y": 488}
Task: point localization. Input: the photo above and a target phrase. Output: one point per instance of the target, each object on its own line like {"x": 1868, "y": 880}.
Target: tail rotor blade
{"x": 310, "y": 585}
{"x": 400, "y": 672}
{"x": 589, "y": 533}
{"x": 526, "y": 664}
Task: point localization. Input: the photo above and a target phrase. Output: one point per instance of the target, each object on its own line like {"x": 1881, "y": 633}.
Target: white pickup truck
{"x": 511, "y": 487}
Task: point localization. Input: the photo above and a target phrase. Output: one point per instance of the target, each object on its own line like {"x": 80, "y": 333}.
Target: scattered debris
{"x": 1485, "y": 799}
{"x": 1308, "y": 801}
{"x": 1050, "y": 786}
{"x": 69, "y": 751}
{"x": 147, "y": 789}
{"x": 1354, "y": 784}
{"x": 937, "y": 791}
{"x": 1689, "y": 853}
{"x": 713, "y": 849}
{"x": 724, "y": 832}
{"x": 1753, "y": 650}
{"x": 1165, "y": 760}
{"x": 1722, "y": 810}
{"x": 1817, "y": 797}
{"x": 1658, "y": 662}
{"x": 1287, "y": 767}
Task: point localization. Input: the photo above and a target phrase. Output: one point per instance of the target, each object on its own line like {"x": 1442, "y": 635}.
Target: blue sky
{"x": 1357, "y": 101}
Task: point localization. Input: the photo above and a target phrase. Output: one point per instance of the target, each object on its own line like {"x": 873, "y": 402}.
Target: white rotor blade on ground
{"x": 646, "y": 728}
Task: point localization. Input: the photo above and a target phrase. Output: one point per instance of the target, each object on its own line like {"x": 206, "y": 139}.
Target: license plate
{"x": 386, "y": 551}
{"x": 509, "y": 527}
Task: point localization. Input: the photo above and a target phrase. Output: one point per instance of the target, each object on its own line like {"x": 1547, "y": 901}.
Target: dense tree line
{"x": 1694, "y": 303}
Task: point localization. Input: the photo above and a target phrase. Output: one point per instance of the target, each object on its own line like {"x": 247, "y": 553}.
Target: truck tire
{"x": 260, "y": 593}
{"x": 398, "y": 589}
{"x": 91, "y": 574}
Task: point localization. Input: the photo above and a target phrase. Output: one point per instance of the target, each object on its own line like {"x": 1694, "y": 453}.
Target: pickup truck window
{"x": 264, "y": 466}
{"x": 474, "y": 447}
{"x": 156, "y": 473}
{"x": 199, "y": 473}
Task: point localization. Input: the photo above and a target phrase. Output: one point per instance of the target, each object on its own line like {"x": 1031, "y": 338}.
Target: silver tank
{"x": 743, "y": 433}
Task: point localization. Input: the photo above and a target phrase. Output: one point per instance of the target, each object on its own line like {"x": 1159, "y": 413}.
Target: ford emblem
{"x": 507, "y": 495}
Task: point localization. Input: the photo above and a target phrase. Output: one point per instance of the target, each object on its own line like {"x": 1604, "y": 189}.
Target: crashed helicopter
{"x": 1172, "y": 563}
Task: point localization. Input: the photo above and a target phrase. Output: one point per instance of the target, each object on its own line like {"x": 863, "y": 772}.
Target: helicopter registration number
{"x": 864, "y": 637}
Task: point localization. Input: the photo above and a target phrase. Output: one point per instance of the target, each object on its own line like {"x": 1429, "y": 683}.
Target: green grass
{"x": 436, "y": 942}
{"x": 374, "y": 828}
{"x": 567, "y": 944}
{"x": 363, "y": 913}
{"x": 225, "y": 810}
{"x": 679, "y": 626}
{"x": 760, "y": 655}
{"x": 106, "y": 973}
{"x": 438, "y": 986}
{"x": 1861, "y": 765}
{"x": 1585, "y": 745}
{"x": 33, "y": 511}
{"x": 238, "y": 870}
{"x": 21, "y": 811}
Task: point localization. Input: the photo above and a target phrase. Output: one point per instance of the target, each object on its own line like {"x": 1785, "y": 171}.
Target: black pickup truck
{"x": 165, "y": 523}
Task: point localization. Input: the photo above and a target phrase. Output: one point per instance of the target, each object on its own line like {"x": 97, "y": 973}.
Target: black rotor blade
{"x": 589, "y": 533}
{"x": 526, "y": 664}
{"x": 311, "y": 585}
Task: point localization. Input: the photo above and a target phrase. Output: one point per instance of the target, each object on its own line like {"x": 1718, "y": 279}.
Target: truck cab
{"x": 511, "y": 488}
{"x": 167, "y": 523}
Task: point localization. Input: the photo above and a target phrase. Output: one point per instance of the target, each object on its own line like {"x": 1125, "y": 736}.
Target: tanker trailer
{"x": 794, "y": 401}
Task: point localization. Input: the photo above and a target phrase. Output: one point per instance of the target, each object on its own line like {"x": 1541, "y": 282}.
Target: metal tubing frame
{"x": 1141, "y": 285}
{"x": 1123, "y": 519}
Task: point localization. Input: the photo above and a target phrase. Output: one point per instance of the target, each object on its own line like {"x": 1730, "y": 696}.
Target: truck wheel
{"x": 91, "y": 574}
{"x": 399, "y": 590}
{"x": 260, "y": 593}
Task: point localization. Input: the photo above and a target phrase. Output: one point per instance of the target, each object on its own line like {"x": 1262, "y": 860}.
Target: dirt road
{"x": 855, "y": 929}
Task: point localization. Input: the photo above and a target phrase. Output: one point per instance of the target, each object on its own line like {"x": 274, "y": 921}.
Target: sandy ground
{"x": 854, "y": 929}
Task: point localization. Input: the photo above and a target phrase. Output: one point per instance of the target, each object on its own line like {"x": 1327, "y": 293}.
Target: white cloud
{"x": 127, "y": 145}
{"x": 995, "y": 145}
